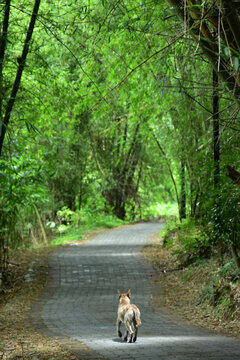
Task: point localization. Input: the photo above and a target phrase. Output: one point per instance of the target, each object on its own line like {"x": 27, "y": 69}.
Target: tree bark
{"x": 236, "y": 257}
{"x": 233, "y": 174}
{"x": 233, "y": 20}
{"x": 3, "y": 42}
{"x": 182, "y": 205}
{"x": 216, "y": 159}
{"x": 123, "y": 175}
{"x": 16, "y": 84}
{"x": 216, "y": 139}
{"x": 41, "y": 225}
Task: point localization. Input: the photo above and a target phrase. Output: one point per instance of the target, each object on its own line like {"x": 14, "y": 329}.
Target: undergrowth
{"x": 187, "y": 241}
{"x": 219, "y": 284}
{"x": 74, "y": 231}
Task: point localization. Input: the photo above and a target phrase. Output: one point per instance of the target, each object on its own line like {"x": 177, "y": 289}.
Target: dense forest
{"x": 118, "y": 108}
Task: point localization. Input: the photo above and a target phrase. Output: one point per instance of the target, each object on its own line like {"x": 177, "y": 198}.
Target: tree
{"x": 216, "y": 159}
{"x": 21, "y": 65}
{"x": 204, "y": 20}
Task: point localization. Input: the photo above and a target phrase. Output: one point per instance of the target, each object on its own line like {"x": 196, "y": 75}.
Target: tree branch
{"x": 208, "y": 44}
{"x": 16, "y": 84}
{"x": 168, "y": 165}
{"x": 233, "y": 174}
{"x": 3, "y": 42}
{"x": 132, "y": 71}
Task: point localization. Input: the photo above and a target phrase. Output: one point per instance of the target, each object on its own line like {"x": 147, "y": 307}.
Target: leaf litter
{"x": 178, "y": 291}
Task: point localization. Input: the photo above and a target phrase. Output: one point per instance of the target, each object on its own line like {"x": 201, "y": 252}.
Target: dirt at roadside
{"x": 19, "y": 339}
{"x": 177, "y": 291}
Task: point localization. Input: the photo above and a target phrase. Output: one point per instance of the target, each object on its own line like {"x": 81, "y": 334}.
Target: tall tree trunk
{"x": 16, "y": 84}
{"x": 235, "y": 256}
{"x": 41, "y": 225}
{"x": 182, "y": 200}
{"x": 216, "y": 158}
{"x": 3, "y": 42}
{"x": 119, "y": 204}
{"x": 169, "y": 169}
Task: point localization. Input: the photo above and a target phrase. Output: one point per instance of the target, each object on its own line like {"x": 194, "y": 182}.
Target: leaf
{"x": 235, "y": 63}
{"x": 32, "y": 127}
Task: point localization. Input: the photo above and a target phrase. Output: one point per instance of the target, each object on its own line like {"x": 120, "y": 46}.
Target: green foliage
{"x": 167, "y": 210}
{"x": 229, "y": 216}
{"x": 187, "y": 240}
{"x": 114, "y": 117}
{"x": 22, "y": 186}
{"x": 76, "y": 230}
{"x": 228, "y": 271}
{"x": 221, "y": 291}
{"x": 66, "y": 216}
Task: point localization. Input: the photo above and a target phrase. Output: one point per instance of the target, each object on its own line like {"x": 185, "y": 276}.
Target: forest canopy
{"x": 116, "y": 108}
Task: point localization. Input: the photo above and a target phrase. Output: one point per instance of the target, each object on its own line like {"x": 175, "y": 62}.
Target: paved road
{"x": 82, "y": 302}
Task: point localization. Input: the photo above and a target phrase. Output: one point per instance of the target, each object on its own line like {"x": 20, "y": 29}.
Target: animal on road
{"x": 129, "y": 314}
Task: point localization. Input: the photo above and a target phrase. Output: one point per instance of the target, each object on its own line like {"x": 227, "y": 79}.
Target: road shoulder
{"x": 175, "y": 292}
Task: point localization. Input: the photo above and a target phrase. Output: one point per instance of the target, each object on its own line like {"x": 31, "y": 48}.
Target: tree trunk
{"x": 169, "y": 169}
{"x": 202, "y": 31}
{"x": 231, "y": 13}
{"x": 22, "y": 61}
{"x": 216, "y": 158}
{"x": 41, "y": 225}
{"x": 194, "y": 208}
{"x": 182, "y": 205}
{"x": 3, "y": 42}
{"x": 236, "y": 257}
{"x": 233, "y": 174}
{"x": 216, "y": 139}
{"x": 119, "y": 207}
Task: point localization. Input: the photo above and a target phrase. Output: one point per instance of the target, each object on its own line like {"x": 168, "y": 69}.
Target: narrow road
{"x": 81, "y": 302}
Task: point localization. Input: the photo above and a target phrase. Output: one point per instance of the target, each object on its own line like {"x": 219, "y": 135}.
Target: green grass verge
{"x": 76, "y": 232}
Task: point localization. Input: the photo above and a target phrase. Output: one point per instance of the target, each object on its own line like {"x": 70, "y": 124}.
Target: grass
{"x": 76, "y": 232}
{"x": 89, "y": 222}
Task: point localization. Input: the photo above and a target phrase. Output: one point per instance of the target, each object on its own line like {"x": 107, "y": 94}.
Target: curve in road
{"x": 82, "y": 302}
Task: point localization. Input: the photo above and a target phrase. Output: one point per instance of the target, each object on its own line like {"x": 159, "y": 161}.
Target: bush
{"x": 86, "y": 221}
{"x": 187, "y": 240}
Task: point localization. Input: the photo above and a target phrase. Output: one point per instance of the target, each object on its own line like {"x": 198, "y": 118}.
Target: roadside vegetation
{"x": 196, "y": 281}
